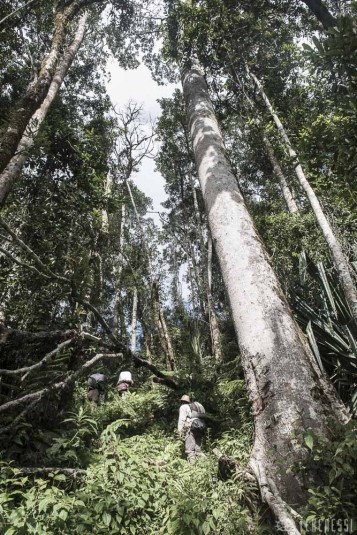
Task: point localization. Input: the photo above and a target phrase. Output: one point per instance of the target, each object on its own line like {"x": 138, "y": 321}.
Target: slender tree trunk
{"x": 13, "y": 168}
{"x": 207, "y": 279}
{"x": 160, "y": 322}
{"x": 280, "y": 371}
{"x": 321, "y": 12}
{"x": 339, "y": 259}
{"x": 196, "y": 284}
{"x": 119, "y": 269}
{"x": 37, "y": 90}
{"x": 158, "y": 313}
{"x": 148, "y": 338}
{"x": 107, "y": 191}
{"x": 134, "y": 320}
{"x": 16, "y": 11}
{"x": 214, "y": 327}
{"x": 286, "y": 191}
{"x": 287, "y": 194}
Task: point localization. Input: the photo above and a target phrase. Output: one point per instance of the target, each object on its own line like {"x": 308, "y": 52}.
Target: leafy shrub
{"x": 335, "y": 498}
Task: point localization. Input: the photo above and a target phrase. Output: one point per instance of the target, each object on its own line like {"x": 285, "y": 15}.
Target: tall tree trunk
{"x": 134, "y": 320}
{"x": 321, "y": 12}
{"x": 118, "y": 272}
{"x": 164, "y": 334}
{"x": 107, "y": 191}
{"x": 338, "y": 256}
{"x": 214, "y": 327}
{"x": 286, "y": 191}
{"x": 197, "y": 291}
{"x": 160, "y": 322}
{"x": 281, "y": 374}
{"x": 13, "y": 168}
{"x": 207, "y": 279}
{"x": 38, "y": 88}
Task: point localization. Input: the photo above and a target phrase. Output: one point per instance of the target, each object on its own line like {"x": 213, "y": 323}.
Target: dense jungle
{"x": 232, "y": 310}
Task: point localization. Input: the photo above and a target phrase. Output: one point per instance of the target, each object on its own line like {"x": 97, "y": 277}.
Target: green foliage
{"x": 330, "y": 327}
{"x": 70, "y": 447}
{"x": 334, "y": 497}
{"x": 135, "y": 483}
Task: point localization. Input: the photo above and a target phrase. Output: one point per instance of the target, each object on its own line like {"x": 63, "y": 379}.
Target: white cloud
{"x": 139, "y": 86}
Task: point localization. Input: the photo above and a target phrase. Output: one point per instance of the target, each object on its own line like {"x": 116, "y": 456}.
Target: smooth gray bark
{"x": 335, "y": 247}
{"x": 280, "y": 371}
{"x": 118, "y": 272}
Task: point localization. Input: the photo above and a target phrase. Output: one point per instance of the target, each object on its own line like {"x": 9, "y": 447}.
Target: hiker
{"x": 191, "y": 427}
{"x": 125, "y": 381}
{"x": 97, "y": 388}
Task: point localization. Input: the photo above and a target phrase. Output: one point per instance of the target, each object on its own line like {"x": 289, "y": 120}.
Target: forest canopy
{"x": 243, "y": 298}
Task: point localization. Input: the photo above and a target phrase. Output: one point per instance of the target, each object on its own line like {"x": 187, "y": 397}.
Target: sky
{"x": 138, "y": 85}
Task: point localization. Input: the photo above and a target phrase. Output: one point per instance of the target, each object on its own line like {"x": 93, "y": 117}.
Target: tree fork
{"x": 278, "y": 365}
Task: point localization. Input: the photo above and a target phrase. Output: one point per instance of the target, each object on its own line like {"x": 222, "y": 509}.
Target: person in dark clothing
{"x": 97, "y": 388}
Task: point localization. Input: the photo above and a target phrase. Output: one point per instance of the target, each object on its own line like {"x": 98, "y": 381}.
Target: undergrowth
{"x": 131, "y": 475}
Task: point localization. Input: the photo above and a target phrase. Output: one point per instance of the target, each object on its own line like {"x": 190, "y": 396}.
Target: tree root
{"x": 285, "y": 516}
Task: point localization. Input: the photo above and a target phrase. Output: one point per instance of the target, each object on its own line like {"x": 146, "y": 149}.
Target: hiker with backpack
{"x": 125, "y": 381}
{"x": 97, "y": 388}
{"x": 191, "y": 427}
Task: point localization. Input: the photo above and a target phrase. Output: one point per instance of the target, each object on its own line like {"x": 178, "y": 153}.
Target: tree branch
{"x": 72, "y": 472}
{"x": 72, "y": 376}
{"x": 16, "y": 11}
{"x": 22, "y": 264}
{"x": 161, "y": 377}
{"x": 47, "y": 358}
{"x": 13, "y": 424}
{"x": 32, "y": 254}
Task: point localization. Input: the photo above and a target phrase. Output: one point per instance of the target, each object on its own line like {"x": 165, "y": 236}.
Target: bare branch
{"x": 72, "y": 376}
{"x": 161, "y": 377}
{"x": 46, "y": 359}
{"x": 101, "y": 320}
{"x": 72, "y": 472}
{"x": 15, "y": 421}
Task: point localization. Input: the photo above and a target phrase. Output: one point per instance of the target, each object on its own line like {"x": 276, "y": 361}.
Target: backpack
{"x": 198, "y": 414}
{"x": 92, "y": 383}
{"x": 197, "y": 410}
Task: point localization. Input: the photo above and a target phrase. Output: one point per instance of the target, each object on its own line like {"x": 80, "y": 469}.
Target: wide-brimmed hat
{"x": 186, "y": 398}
